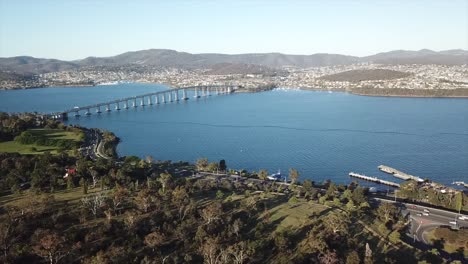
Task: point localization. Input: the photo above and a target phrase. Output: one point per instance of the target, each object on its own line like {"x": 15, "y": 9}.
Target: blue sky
{"x": 75, "y": 29}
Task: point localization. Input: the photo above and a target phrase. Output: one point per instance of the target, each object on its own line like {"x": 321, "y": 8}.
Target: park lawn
{"x": 293, "y": 215}
{"x": 65, "y": 196}
{"x": 12, "y": 146}
{"x": 450, "y": 247}
{"x": 56, "y": 133}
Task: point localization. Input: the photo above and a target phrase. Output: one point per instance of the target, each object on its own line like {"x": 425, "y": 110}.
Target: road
{"x": 421, "y": 224}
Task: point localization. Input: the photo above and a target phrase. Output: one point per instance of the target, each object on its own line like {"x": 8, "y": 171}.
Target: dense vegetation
{"x": 365, "y": 75}
{"x": 434, "y": 194}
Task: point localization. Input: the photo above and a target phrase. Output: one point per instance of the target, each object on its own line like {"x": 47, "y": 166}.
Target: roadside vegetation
{"x": 434, "y": 194}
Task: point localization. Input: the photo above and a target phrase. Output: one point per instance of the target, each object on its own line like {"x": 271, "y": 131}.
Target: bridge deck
{"x": 126, "y": 99}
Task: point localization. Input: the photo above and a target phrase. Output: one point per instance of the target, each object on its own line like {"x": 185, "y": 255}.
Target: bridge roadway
{"x": 159, "y": 97}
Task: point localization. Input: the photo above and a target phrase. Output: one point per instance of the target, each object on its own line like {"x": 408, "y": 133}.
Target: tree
{"x": 353, "y": 258}
{"x": 222, "y": 165}
{"x": 358, "y": 196}
{"x": 154, "y": 239}
{"x": 394, "y": 237}
{"x": 210, "y": 250}
{"x": 94, "y": 177}
{"x": 329, "y": 257}
{"x": 332, "y": 189}
{"x": 236, "y": 226}
{"x": 119, "y": 197}
{"x": 10, "y": 231}
{"x": 336, "y": 222}
{"x": 387, "y": 211}
{"x": 201, "y": 164}
{"x": 293, "y": 175}
{"x": 94, "y": 203}
{"x": 219, "y": 195}
{"x": 212, "y": 212}
{"x": 213, "y": 166}
{"x": 50, "y": 246}
{"x": 165, "y": 179}
{"x": 240, "y": 252}
{"x": 263, "y": 174}
{"x": 307, "y": 185}
{"x": 144, "y": 199}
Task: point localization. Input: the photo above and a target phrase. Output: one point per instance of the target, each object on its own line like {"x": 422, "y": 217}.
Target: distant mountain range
{"x": 172, "y": 58}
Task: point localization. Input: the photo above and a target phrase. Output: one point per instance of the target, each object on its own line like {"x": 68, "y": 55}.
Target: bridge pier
{"x": 125, "y": 104}
{"x": 208, "y": 91}
{"x": 176, "y": 95}
{"x": 88, "y": 113}
{"x": 117, "y": 106}
{"x": 98, "y": 110}
{"x": 142, "y": 101}
{"x": 134, "y": 103}
{"x": 196, "y": 93}
{"x": 156, "y": 98}
{"x": 149, "y": 100}
{"x": 108, "y": 108}
{"x": 184, "y": 94}
{"x": 203, "y": 91}
{"x": 170, "y": 97}
{"x": 77, "y": 113}
{"x": 217, "y": 91}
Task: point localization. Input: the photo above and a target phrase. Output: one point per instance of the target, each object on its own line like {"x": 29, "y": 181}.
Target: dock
{"x": 374, "y": 179}
{"x": 461, "y": 183}
{"x": 399, "y": 174}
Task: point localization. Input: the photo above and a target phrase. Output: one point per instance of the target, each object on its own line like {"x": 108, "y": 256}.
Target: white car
{"x": 425, "y": 214}
{"x": 425, "y": 210}
{"x": 453, "y": 222}
{"x": 463, "y": 217}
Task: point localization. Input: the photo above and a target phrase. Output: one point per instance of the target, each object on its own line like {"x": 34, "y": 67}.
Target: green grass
{"x": 293, "y": 215}
{"x": 450, "y": 247}
{"x": 12, "y": 146}
{"x": 71, "y": 196}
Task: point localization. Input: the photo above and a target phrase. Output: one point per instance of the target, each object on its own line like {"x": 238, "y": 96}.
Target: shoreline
{"x": 431, "y": 93}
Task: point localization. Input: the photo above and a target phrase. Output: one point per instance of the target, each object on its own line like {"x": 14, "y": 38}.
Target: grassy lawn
{"x": 293, "y": 215}
{"x": 12, "y": 146}
{"x": 457, "y": 242}
{"x": 71, "y": 196}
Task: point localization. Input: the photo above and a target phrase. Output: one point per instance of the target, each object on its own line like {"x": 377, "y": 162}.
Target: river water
{"x": 323, "y": 135}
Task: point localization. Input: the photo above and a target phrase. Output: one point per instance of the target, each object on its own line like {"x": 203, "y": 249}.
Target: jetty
{"x": 399, "y": 174}
{"x": 461, "y": 183}
{"x": 374, "y": 179}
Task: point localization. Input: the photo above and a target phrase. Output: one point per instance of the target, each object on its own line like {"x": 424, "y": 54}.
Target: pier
{"x": 161, "y": 97}
{"x": 460, "y": 183}
{"x": 399, "y": 174}
{"x": 374, "y": 179}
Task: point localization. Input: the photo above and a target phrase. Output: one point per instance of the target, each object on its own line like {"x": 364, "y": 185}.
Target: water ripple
{"x": 297, "y": 128}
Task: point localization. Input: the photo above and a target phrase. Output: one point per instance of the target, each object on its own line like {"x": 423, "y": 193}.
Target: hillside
{"x": 172, "y": 58}
{"x": 240, "y": 68}
{"x": 365, "y": 75}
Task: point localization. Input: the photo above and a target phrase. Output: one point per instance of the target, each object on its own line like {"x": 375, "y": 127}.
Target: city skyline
{"x": 78, "y": 29}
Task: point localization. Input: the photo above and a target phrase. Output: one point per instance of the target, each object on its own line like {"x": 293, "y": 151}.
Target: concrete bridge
{"x": 161, "y": 97}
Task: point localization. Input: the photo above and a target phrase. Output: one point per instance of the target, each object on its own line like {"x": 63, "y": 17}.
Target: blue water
{"x": 323, "y": 135}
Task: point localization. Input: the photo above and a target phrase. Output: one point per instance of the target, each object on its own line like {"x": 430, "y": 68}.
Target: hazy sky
{"x": 74, "y": 29}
